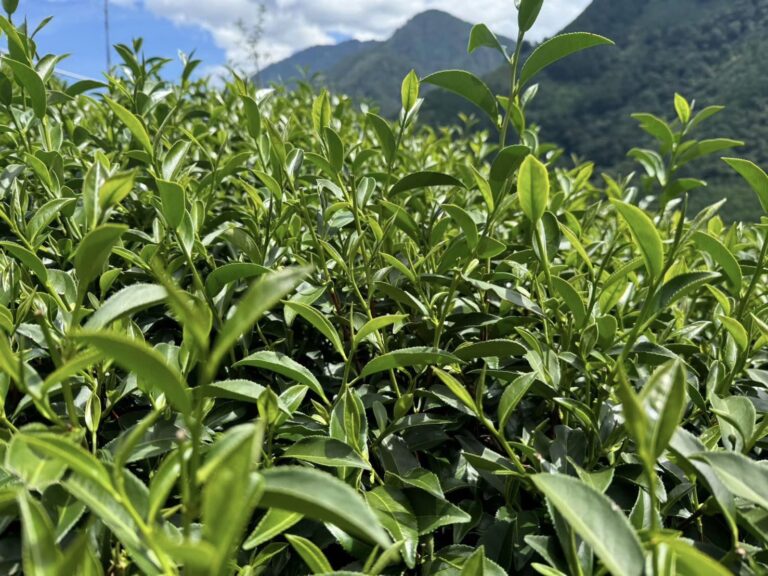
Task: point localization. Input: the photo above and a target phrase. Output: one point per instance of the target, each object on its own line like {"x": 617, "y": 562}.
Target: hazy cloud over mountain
{"x": 295, "y": 24}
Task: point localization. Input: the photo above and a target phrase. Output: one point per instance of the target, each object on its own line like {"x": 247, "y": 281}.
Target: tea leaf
{"x": 646, "y": 237}
{"x": 322, "y": 497}
{"x": 533, "y": 188}
{"x": 147, "y": 363}
{"x": 556, "y": 48}
{"x": 469, "y": 87}
{"x": 596, "y": 519}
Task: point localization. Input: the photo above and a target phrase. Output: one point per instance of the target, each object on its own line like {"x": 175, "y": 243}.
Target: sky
{"x": 210, "y": 26}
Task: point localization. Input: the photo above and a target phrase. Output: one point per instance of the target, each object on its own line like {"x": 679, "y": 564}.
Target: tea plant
{"x": 258, "y": 332}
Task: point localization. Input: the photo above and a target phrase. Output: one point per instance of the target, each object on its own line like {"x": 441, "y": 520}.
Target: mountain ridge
{"x": 429, "y": 41}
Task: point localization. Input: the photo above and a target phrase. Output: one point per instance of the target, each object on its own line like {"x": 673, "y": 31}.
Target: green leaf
{"x": 10, "y": 6}
{"x": 173, "y": 202}
{"x": 312, "y": 555}
{"x": 320, "y": 322}
{"x": 126, "y": 302}
{"x": 29, "y": 259}
{"x": 571, "y": 298}
{"x": 737, "y": 331}
{"x": 376, "y": 324}
{"x": 240, "y": 390}
{"x": 424, "y": 180}
{"x": 282, "y": 364}
{"x": 556, "y": 48}
{"x": 409, "y": 357}
{"x": 115, "y": 517}
{"x": 597, "y": 520}
{"x": 689, "y": 561}
{"x": 682, "y": 286}
{"x": 74, "y": 457}
{"x": 324, "y": 498}
{"x": 274, "y": 523}
{"x": 260, "y": 298}
{"x": 321, "y": 112}
{"x": 325, "y": 452}
{"x": 40, "y": 553}
{"x": 94, "y": 250}
{"x": 533, "y": 188}
{"x": 433, "y": 513}
{"x": 512, "y": 395}
{"x": 528, "y": 13}
{"x": 683, "y": 108}
{"x": 657, "y": 128}
{"x": 499, "y": 348}
{"x": 465, "y": 222}
{"x": 233, "y": 272}
{"x": 469, "y": 87}
{"x": 755, "y": 177}
{"x": 133, "y": 124}
{"x": 743, "y": 477}
{"x": 409, "y": 91}
{"x": 727, "y": 261}
{"x": 458, "y": 390}
{"x": 229, "y": 499}
{"x": 46, "y": 214}
{"x": 475, "y": 564}
{"x": 384, "y": 135}
{"x": 32, "y": 83}
{"x": 252, "y": 116}
{"x": 646, "y": 237}
{"x": 481, "y": 35}
{"x": 148, "y": 364}
{"x": 395, "y": 513}
{"x": 115, "y": 189}
{"x": 664, "y": 400}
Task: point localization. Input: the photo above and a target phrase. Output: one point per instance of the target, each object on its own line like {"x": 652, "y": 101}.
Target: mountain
{"x": 713, "y": 51}
{"x": 314, "y": 59}
{"x": 430, "y": 41}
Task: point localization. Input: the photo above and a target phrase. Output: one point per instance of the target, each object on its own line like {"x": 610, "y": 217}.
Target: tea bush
{"x": 256, "y": 332}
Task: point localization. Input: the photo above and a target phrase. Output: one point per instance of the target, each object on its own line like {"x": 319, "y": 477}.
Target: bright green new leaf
{"x": 133, "y": 124}
{"x": 147, "y": 363}
{"x": 408, "y": 357}
{"x": 596, "y": 519}
{"x": 409, "y": 91}
{"x": 320, "y": 322}
{"x": 260, "y": 298}
{"x": 312, "y": 555}
{"x": 469, "y": 87}
{"x": 528, "y": 13}
{"x": 481, "y": 35}
{"x": 282, "y": 364}
{"x": 755, "y": 177}
{"x": 324, "y": 498}
{"x": 325, "y": 452}
{"x": 664, "y": 400}
{"x": 127, "y": 301}
{"x": 743, "y": 477}
{"x": 646, "y": 237}
{"x": 31, "y": 81}
{"x": 556, "y": 48}
{"x": 423, "y": 180}
{"x": 94, "y": 251}
{"x": 173, "y": 202}
{"x": 533, "y": 188}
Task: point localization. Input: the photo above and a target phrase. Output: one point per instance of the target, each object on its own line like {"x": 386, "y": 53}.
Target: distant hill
{"x": 713, "y": 51}
{"x": 430, "y": 41}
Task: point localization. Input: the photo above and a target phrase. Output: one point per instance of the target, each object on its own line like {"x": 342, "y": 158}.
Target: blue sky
{"x": 77, "y": 28}
{"x": 209, "y": 26}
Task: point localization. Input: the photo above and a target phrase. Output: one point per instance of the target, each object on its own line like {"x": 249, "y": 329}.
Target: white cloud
{"x": 292, "y": 25}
